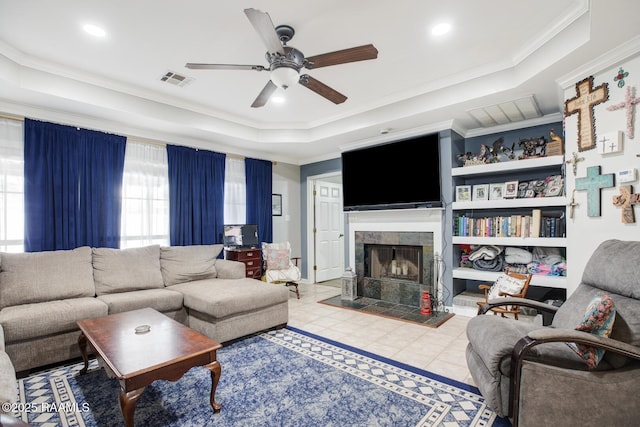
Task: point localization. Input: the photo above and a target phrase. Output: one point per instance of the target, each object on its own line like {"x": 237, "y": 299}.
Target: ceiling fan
{"x": 285, "y": 62}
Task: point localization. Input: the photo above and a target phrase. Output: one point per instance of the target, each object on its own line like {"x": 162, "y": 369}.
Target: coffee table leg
{"x": 128, "y": 404}
{"x": 82, "y": 343}
{"x": 216, "y": 370}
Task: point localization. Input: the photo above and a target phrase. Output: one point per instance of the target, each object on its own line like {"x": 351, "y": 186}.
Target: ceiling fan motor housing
{"x": 292, "y": 59}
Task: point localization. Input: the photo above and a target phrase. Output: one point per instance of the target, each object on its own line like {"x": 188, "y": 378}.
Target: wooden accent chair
{"x": 507, "y": 285}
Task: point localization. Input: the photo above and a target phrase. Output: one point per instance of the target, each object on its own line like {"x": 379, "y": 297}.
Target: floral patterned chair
{"x": 280, "y": 267}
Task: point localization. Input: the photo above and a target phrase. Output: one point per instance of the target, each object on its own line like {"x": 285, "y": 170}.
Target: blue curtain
{"x": 259, "y": 187}
{"x": 196, "y": 196}
{"x": 72, "y": 187}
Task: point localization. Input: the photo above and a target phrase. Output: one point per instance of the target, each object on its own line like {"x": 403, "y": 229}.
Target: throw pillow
{"x": 598, "y": 319}
{"x": 277, "y": 259}
{"x": 506, "y": 283}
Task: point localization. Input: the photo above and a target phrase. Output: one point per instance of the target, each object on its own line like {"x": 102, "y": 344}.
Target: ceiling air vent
{"x": 507, "y": 112}
{"x": 176, "y": 79}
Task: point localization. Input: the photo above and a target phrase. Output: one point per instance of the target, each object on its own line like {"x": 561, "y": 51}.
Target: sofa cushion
{"x": 123, "y": 270}
{"x": 162, "y": 300}
{"x": 598, "y": 320}
{"x": 221, "y": 297}
{"x": 181, "y": 264}
{"x": 28, "y": 321}
{"x": 44, "y": 276}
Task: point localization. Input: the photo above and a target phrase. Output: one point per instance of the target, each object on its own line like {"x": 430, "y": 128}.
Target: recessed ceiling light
{"x": 278, "y": 99}
{"x": 441, "y": 29}
{"x": 94, "y": 30}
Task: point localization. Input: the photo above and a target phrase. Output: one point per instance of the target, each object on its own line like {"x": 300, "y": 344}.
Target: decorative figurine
{"x": 533, "y": 147}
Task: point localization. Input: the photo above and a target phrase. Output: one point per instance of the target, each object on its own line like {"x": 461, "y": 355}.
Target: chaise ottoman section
{"x": 226, "y": 309}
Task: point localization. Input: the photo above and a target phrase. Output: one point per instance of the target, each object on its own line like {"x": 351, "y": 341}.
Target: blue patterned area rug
{"x": 279, "y": 378}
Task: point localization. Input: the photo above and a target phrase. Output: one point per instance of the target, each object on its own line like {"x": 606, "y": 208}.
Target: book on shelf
{"x": 538, "y": 224}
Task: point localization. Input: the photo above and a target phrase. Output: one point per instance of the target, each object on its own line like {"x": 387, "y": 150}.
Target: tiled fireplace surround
{"x": 417, "y": 229}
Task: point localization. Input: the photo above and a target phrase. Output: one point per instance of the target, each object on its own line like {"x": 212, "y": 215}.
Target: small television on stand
{"x": 238, "y": 236}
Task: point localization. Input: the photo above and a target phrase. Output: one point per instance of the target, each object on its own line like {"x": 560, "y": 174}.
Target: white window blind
{"x": 11, "y": 185}
{"x": 145, "y": 196}
{"x": 235, "y": 192}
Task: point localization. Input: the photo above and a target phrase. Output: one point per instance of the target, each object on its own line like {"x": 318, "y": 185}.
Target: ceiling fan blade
{"x": 263, "y": 24}
{"x": 360, "y": 53}
{"x": 197, "y": 66}
{"x": 264, "y": 95}
{"x": 322, "y": 89}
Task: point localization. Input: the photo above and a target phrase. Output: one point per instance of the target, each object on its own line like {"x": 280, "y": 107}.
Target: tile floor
{"x": 439, "y": 350}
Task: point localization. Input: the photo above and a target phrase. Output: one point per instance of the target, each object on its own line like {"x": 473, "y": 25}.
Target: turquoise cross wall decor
{"x": 594, "y": 183}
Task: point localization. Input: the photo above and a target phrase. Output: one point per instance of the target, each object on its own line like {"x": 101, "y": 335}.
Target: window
{"x": 145, "y": 196}
{"x": 11, "y": 186}
{"x": 235, "y": 192}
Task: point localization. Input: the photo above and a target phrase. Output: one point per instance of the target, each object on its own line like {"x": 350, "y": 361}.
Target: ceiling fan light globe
{"x": 283, "y": 77}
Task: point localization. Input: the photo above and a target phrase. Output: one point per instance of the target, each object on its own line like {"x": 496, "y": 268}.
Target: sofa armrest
{"x": 580, "y": 337}
{"x": 228, "y": 269}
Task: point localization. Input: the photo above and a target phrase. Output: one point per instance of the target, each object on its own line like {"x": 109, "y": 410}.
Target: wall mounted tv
{"x": 241, "y": 236}
{"x": 397, "y": 175}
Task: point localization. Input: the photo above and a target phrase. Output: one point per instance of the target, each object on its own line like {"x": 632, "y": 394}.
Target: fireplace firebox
{"x": 395, "y": 266}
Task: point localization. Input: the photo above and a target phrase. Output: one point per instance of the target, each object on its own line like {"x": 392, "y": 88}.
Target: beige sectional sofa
{"x": 44, "y": 294}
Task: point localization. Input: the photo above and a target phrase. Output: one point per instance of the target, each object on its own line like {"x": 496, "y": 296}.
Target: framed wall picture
{"x": 463, "y": 193}
{"x": 510, "y": 189}
{"x": 481, "y": 192}
{"x": 276, "y": 204}
{"x": 496, "y": 191}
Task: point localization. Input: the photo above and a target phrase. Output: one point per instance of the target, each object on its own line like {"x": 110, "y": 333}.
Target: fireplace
{"x": 395, "y": 266}
{"x": 400, "y": 262}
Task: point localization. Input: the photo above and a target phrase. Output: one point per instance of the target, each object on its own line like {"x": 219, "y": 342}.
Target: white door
{"x": 329, "y": 231}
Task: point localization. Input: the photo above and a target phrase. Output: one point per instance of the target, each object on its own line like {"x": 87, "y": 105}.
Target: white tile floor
{"x": 439, "y": 350}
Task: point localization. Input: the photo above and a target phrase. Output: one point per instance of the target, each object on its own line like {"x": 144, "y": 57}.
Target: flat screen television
{"x": 241, "y": 236}
{"x": 397, "y": 175}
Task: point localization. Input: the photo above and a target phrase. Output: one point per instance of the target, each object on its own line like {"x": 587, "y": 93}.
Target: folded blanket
{"x": 495, "y": 264}
{"x": 559, "y": 269}
{"x": 548, "y": 256}
{"x": 485, "y": 252}
{"x": 517, "y": 256}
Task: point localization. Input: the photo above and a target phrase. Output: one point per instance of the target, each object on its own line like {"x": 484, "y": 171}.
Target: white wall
{"x": 286, "y": 181}
{"x": 585, "y": 233}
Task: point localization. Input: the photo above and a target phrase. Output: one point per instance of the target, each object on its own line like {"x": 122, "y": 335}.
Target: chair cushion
{"x": 34, "y": 277}
{"x": 277, "y": 259}
{"x": 181, "y": 264}
{"x": 123, "y": 270}
{"x": 507, "y": 284}
{"x": 598, "y": 320}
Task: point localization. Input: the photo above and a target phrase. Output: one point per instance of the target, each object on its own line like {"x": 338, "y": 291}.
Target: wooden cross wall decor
{"x": 586, "y": 98}
{"x": 626, "y": 199}
{"x": 594, "y": 183}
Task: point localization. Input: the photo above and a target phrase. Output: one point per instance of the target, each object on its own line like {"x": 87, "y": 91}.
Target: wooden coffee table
{"x": 167, "y": 351}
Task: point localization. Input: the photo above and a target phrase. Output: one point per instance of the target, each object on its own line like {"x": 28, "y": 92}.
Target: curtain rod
{"x": 129, "y": 138}
{"x": 10, "y": 117}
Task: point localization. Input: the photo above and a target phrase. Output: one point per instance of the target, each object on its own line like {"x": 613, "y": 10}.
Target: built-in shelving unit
{"x": 504, "y": 171}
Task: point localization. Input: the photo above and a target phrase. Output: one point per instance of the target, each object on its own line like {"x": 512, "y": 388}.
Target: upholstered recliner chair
{"x": 532, "y": 375}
